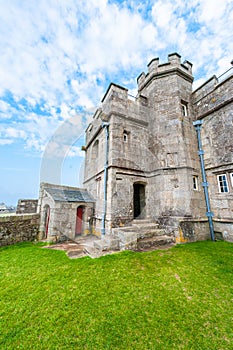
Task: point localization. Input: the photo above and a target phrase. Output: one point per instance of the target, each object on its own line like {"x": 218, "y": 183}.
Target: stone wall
{"x": 213, "y": 104}
{"x": 18, "y": 228}
{"x": 223, "y": 230}
{"x": 27, "y": 206}
{"x": 58, "y": 218}
{"x": 198, "y": 230}
{"x": 151, "y": 143}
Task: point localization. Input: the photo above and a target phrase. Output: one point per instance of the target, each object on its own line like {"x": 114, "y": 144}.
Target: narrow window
{"x": 231, "y": 176}
{"x": 195, "y": 183}
{"x": 95, "y": 150}
{"x": 98, "y": 182}
{"x": 125, "y": 136}
{"x": 184, "y": 109}
{"x": 222, "y": 183}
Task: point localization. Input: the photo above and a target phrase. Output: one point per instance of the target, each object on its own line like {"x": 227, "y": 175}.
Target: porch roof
{"x": 70, "y": 195}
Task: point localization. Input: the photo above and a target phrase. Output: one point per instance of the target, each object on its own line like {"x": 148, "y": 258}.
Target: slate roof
{"x": 72, "y": 195}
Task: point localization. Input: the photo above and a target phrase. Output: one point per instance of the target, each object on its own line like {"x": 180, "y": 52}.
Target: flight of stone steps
{"x": 140, "y": 235}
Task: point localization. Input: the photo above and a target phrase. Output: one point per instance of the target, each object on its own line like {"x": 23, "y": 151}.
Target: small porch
{"x": 65, "y": 212}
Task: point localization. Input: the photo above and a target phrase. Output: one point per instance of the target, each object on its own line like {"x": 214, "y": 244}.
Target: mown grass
{"x": 180, "y": 298}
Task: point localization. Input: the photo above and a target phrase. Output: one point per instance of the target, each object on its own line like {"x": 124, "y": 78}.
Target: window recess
{"x": 222, "y": 183}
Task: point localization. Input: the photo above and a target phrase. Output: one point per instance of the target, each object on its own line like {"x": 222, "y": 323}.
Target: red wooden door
{"x": 79, "y": 218}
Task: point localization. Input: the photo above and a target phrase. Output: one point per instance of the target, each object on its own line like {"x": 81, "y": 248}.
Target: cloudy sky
{"x": 57, "y": 58}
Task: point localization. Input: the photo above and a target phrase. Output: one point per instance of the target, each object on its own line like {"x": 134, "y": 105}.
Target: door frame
{"x": 139, "y": 200}
{"x": 46, "y": 219}
{"x": 79, "y": 220}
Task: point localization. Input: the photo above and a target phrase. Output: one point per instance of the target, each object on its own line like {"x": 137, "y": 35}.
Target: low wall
{"x": 18, "y": 228}
{"x": 27, "y": 206}
{"x": 224, "y": 230}
{"x": 198, "y": 230}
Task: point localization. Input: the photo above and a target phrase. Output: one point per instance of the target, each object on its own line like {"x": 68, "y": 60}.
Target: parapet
{"x": 156, "y": 69}
{"x": 115, "y": 90}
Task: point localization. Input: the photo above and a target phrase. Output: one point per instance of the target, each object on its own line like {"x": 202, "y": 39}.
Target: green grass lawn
{"x": 181, "y": 298}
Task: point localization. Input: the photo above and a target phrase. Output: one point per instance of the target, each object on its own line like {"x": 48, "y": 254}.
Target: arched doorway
{"x": 139, "y": 201}
{"x": 46, "y": 219}
{"x": 79, "y": 220}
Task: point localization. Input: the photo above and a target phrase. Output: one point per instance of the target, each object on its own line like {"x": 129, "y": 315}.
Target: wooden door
{"x": 79, "y": 219}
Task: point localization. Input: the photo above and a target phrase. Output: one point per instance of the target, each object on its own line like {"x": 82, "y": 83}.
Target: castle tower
{"x": 174, "y": 173}
{"x": 152, "y": 162}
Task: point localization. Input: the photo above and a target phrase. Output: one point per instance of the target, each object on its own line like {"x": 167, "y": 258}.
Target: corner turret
{"x": 157, "y": 70}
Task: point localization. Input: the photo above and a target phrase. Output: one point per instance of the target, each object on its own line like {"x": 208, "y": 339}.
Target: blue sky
{"x": 58, "y": 57}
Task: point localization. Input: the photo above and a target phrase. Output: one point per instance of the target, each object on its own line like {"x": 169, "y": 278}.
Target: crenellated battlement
{"x": 157, "y": 69}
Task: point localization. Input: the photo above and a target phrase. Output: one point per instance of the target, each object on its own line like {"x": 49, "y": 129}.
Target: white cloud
{"x": 58, "y": 57}
{"x": 11, "y": 132}
{"x": 212, "y": 10}
{"x": 5, "y": 142}
{"x": 162, "y": 13}
{"x": 4, "y": 107}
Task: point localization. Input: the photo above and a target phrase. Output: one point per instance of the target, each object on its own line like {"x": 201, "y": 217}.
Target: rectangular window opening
{"x": 98, "y": 182}
{"x": 195, "y": 183}
{"x": 222, "y": 183}
{"x": 231, "y": 176}
{"x": 125, "y": 136}
{"x": 184, "y": 108}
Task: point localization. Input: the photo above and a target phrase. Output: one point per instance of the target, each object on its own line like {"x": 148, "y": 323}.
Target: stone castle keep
{"x": 164, "y": 158}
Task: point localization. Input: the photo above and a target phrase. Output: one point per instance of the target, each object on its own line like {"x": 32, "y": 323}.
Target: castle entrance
{"x": 139, "y": 201}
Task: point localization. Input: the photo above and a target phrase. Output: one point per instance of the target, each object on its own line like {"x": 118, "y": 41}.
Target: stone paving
{"x": 77, "y": 248}
{"x": 85, "y": 246}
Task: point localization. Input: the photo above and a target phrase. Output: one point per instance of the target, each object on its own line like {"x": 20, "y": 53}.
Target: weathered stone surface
{"x": 149, "y": 243}
{"x": 58, "y": 208}
{"x": 26, "y": 206}
{"x": 153, "y": 155}
{"x": 18, "y": 228}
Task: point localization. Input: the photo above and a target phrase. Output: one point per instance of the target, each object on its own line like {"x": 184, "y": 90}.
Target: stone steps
{"x": 93, "y": 252}
{"x": 140, "y": 235}
{"x": 141, "y": 221}
{"x": 150, "y": 233}
{"x": 153, "y": 242}
{"x": 107, "y": 243}
{"x": 116, "y": 231}
{"x": 145, "y": 225}
{"x": 138, "y": 228}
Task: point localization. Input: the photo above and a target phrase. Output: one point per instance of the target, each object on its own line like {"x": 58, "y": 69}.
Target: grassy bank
{"x": 180, "y": 298}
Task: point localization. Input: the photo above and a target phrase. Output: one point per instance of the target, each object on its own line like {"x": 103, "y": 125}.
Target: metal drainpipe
{"x": 106, "y": 126}
{"x": 197, "y": 124}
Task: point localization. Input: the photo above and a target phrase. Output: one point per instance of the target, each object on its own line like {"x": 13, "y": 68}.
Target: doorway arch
{"x": 139, "y": 200}
{"x": 79, "y": 220}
